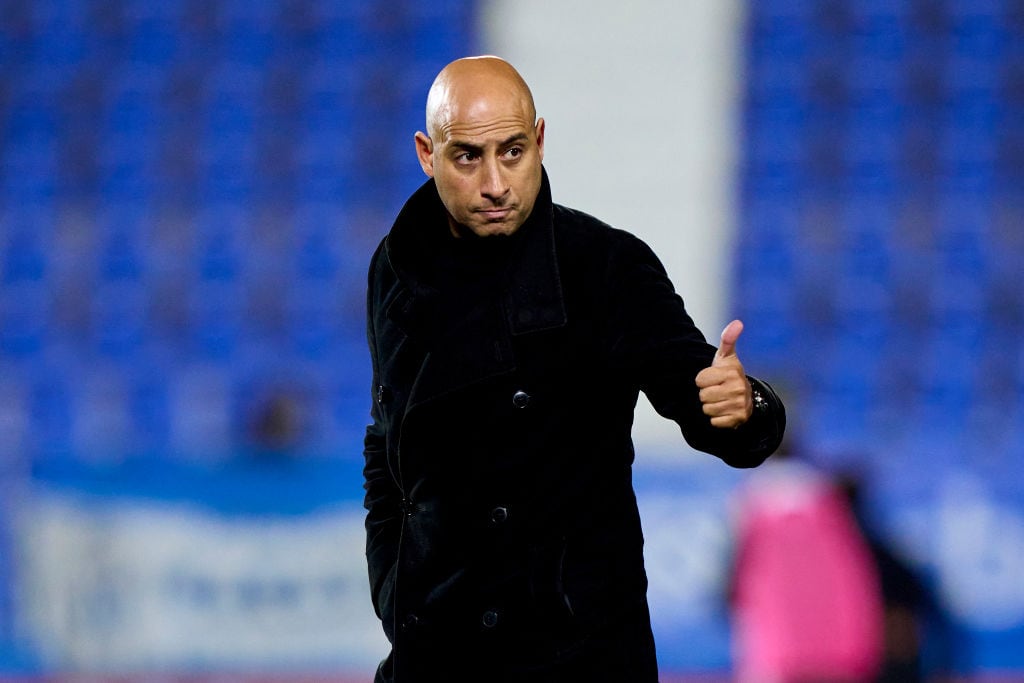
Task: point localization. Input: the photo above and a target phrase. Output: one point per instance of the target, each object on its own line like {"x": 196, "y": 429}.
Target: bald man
{"x": 510, "y": 337}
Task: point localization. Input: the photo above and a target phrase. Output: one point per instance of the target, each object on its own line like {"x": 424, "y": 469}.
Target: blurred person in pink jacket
{"x": 805, "y": 590}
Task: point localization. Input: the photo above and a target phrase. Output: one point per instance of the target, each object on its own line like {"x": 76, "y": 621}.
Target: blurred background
{"x": 190, "y": 191}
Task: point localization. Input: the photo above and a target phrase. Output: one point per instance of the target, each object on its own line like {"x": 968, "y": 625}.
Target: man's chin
{"x": 488, "y": 229}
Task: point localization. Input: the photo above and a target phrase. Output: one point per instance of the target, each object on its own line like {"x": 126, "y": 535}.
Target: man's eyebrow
{"x": 470, "y": 147}
{"x": 518, "y": 137}
{"x": 465, "y": 146}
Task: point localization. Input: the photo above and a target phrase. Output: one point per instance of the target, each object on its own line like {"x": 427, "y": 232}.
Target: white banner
{"x": 140, "y": 584}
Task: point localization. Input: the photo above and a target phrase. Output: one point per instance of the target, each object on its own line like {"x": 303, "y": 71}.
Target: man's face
{"x": 485, "y": 158}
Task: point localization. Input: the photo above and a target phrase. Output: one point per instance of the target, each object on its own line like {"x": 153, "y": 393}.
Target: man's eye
{"x": 465, "y": 157}
{"x": 514, "y": 152}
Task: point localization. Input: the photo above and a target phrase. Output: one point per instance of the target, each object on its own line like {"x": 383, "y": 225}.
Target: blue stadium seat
{"x": 155, "y": 41}
{"x": 964, "y": 225}
{"x": 813, "y": 291}
{"x": 219, "y": 239}
{"x": 776, "y": 16}
{"x": 314, "y": 321}
{"x": 868, "y": 10}
{"x": 872, "y": 145}
{"x": 867, "y": 223}
{"x": 60, "y": 37}
{"x": 324, "y": 149}
{"x": 784, "y": 139}
{"x": 231, "y": 120}
{"x": 216, "y": 308}
{"x": 325, "y": 181}
{"x": 23, "y": 251}
{"x": 874, "y": 84}
{"x": 1005, "y": 295}
{"x": 148, "y": 376}
{"x": 257, "y": 16}
{"x": 436, "y": 47}
{"x": 766, "y": 278}
{"x": 15, "y": 461}
{"x": 778, "y": 81}
{"x": 835, "y": 418}
{"x": 978, "y": 33}
{"x": 53, "y": 401}
{"x": 350, "y": 396}
{"x": 248, "y": 42}
{"x": 972, "y": 86}
{"x": 354, "y": 33}
{"x": 768, "y": 223}
{"x": 103, "y": 429}
{"x": 24, "y": 308}
{"x": 120, "y": 318}
{"x": 199, "y": 411}
{"x": 773, "y": 262}
{"x": 329, "y": 110}
{"x": 879, "y": 30}
{"x": 316, "y": 256}
{"x": 120, "y": 256}
{"x": 29, "y": 173}
{"x": 958, "y": 310}
{"x": 132, "y": 98}
{"x": 947, "y": 386}
{"x": 126, "y": 173}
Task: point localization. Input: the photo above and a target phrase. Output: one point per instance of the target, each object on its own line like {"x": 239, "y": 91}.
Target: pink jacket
{"x": 807, "y": 597}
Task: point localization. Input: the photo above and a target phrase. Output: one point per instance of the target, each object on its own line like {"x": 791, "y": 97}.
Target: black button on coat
{"x": 570, "y": 319}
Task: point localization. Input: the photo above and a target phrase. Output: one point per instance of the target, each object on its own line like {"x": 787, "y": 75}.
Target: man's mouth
{"x": 495, "y": 214}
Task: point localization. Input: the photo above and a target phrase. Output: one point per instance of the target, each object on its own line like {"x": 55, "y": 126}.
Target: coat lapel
{"x": 533, "y": 300}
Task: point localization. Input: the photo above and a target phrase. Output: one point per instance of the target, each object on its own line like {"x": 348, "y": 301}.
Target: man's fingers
{"x": 727, "y": 348}
{"x": 725, "y": 404}
{"x": 729, "y": 413}
{"x": 726, "y": 422}
{"x": 708, "y": 377}
{"x": 717, "y": 393}
{"x": 712, "y": 376}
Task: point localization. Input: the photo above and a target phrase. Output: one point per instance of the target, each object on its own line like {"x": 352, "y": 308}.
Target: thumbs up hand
{"x": 725, "y": 392}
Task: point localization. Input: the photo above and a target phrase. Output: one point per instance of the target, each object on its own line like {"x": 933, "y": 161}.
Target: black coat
{"x": 503, "y": 538}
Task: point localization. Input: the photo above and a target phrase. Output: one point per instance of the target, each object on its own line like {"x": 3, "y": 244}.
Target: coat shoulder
{"x": 381, "y": 275}
{"x": 583, "y": 237}
{"x": 379, "y": 262}
{"x": 383, "y": 286}
{"x": 582, "y": 231}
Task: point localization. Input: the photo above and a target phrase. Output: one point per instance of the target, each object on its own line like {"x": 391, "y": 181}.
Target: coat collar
{"x": 478, "y": 343}
{"x": 532, "y": 297}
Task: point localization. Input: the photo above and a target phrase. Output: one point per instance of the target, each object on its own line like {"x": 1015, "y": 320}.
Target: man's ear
{"x": 425, "y": 153}
{"x": 540, "y": 137}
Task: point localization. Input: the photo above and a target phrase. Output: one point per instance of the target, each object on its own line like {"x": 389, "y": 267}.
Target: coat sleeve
{"x": 383, "y": 497}
{"x": 655, "y": 343}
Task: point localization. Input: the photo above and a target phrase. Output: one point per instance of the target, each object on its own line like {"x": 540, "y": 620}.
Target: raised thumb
{"x": 730, "y": 334}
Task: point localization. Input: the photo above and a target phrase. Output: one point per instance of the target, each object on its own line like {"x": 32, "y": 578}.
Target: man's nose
{"x": 493, "y": 184}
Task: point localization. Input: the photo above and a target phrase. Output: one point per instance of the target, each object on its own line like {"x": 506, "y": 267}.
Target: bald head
{"x": 467, "y": 85}
{"x": 484, "y": 146}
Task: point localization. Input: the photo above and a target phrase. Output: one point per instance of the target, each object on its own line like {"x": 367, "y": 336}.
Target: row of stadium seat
{"x": 880, "y": 249}
{"x": 190, "y": 192}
